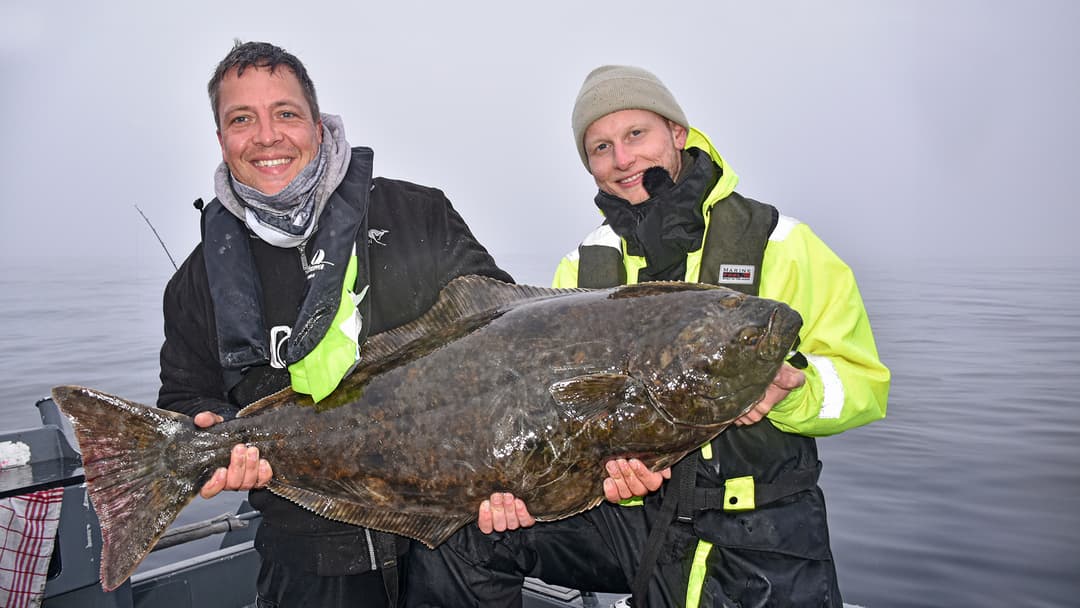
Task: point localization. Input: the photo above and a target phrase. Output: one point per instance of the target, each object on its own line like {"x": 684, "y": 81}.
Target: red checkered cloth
{"x": 27, "y": 530}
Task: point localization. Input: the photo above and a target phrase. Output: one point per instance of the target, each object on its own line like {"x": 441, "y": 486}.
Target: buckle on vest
{"x": 278, "y": 335}
{"x": 739, "y": 494}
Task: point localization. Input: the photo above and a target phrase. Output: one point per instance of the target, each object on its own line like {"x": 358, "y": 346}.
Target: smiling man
{"x": 622, "y": 145}
{"x": 266, "y": 130}
{"x": 742, "y": 522}
{"x": 283, "y": 290}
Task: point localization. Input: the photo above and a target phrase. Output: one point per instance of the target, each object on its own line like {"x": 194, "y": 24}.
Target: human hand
{"x": 787, "y": 379}
{"x": 630, "y": 478}
{"x": 246, "y": 470}
{"x": 503, "y": 512}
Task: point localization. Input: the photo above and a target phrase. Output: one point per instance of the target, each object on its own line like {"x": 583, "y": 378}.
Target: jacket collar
{"x": 728, "y": 178}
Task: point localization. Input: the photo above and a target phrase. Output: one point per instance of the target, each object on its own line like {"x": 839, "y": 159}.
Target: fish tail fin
{"x": 138, "y": 474}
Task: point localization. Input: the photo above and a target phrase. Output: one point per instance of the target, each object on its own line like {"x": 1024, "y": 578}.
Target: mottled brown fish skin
{"x": 437, "y": 434}
{"x": 498, "y": 388}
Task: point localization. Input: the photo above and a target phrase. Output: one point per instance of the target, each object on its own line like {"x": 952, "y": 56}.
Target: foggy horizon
{"x": 897, "y": 132}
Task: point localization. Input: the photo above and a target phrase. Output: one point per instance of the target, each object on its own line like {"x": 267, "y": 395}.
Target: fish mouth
{"x": 778, "y": 334}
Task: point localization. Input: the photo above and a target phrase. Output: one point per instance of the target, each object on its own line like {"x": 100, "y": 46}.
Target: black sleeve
{"x": 191, "y": 378}
{"x": 421, "y": 244}
{"x": 462, "y": 253}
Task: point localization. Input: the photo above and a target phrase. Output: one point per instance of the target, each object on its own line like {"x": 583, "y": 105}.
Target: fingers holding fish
{"x": 755, "y": 414}
{"x": 503, "y": 512}
{"x": 244, "y": 468}
{"x": 216, "y": 484}
{"x": 207, "y": 419}
{"x": 245, "y": 472}
{"x": 631, "y": 478}
{"x": 265, "y": 473}
{"x": 787, "y": 379}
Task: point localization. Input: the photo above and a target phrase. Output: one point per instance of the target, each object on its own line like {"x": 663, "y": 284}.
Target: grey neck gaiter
{"x": 288, "y": 218}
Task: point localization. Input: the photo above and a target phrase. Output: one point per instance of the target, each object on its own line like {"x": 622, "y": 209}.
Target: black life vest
{"x": 244, "y": 340}
{"x": 734, "y": 246}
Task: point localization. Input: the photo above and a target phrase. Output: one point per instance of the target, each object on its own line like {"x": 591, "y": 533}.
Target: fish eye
{"x": 750, "y": 336}
{"x": 731, "y": 301}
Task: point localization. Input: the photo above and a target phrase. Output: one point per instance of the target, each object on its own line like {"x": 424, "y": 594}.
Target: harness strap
{"x": 684, "y": 498}
{"x": 386, "y": 552}
{"x": 786, "y": 484}
{"x": 683, "y": 470}
{"x": 684, "y": 486}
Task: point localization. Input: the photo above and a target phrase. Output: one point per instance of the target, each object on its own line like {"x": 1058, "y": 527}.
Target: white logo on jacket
{"x": 737, "y": 274}
{"x": 375, "y": 235}
{"x": 317, "y": 263}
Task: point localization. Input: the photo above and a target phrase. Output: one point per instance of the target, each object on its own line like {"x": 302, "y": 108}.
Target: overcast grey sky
{"x": 897, "y": 130}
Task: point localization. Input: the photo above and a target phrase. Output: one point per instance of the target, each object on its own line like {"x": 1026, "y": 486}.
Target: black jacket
{"x": 425, "y": 245}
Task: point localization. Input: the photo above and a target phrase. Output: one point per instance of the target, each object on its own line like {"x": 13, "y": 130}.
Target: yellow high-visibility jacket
{"x": 847, "y": 385}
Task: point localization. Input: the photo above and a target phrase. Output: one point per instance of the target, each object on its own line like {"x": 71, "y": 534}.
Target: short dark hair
{"x": 245, "y": 55}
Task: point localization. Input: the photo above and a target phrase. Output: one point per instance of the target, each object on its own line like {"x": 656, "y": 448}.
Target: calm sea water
{"x": 967, "y": 494}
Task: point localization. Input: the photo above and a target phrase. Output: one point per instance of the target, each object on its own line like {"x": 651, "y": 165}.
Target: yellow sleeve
{"x": 847, "y": 385}
{"x": 566, "y": 274}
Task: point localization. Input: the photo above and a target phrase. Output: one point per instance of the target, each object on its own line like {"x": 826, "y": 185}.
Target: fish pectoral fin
{"x": 593, "y": 395}
{"x": 429, "y": 529}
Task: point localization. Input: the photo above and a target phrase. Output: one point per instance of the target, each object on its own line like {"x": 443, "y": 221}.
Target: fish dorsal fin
{"x": 462, "y": 298}
{"x": 653, "y": 288}
{"x": 592, "y": 395}
{"x": 467, "y": 302}
{"x": 282, "y": 398}
{"x": 431, "y": 530}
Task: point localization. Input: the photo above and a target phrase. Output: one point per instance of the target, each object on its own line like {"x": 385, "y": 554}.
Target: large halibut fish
{"x": 497, "y": 388}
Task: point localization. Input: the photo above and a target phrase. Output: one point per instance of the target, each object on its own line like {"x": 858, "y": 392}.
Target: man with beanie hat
{"x": 741, "y": 522}
{"x": 611, "y": 88}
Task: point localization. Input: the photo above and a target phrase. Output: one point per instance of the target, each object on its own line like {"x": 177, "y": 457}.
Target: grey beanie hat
{"x": 610, "y": 88}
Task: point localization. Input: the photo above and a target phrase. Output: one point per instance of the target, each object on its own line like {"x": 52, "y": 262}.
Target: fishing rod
{"x": 158, "y": 237}
{"x": 226, "y": 522}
